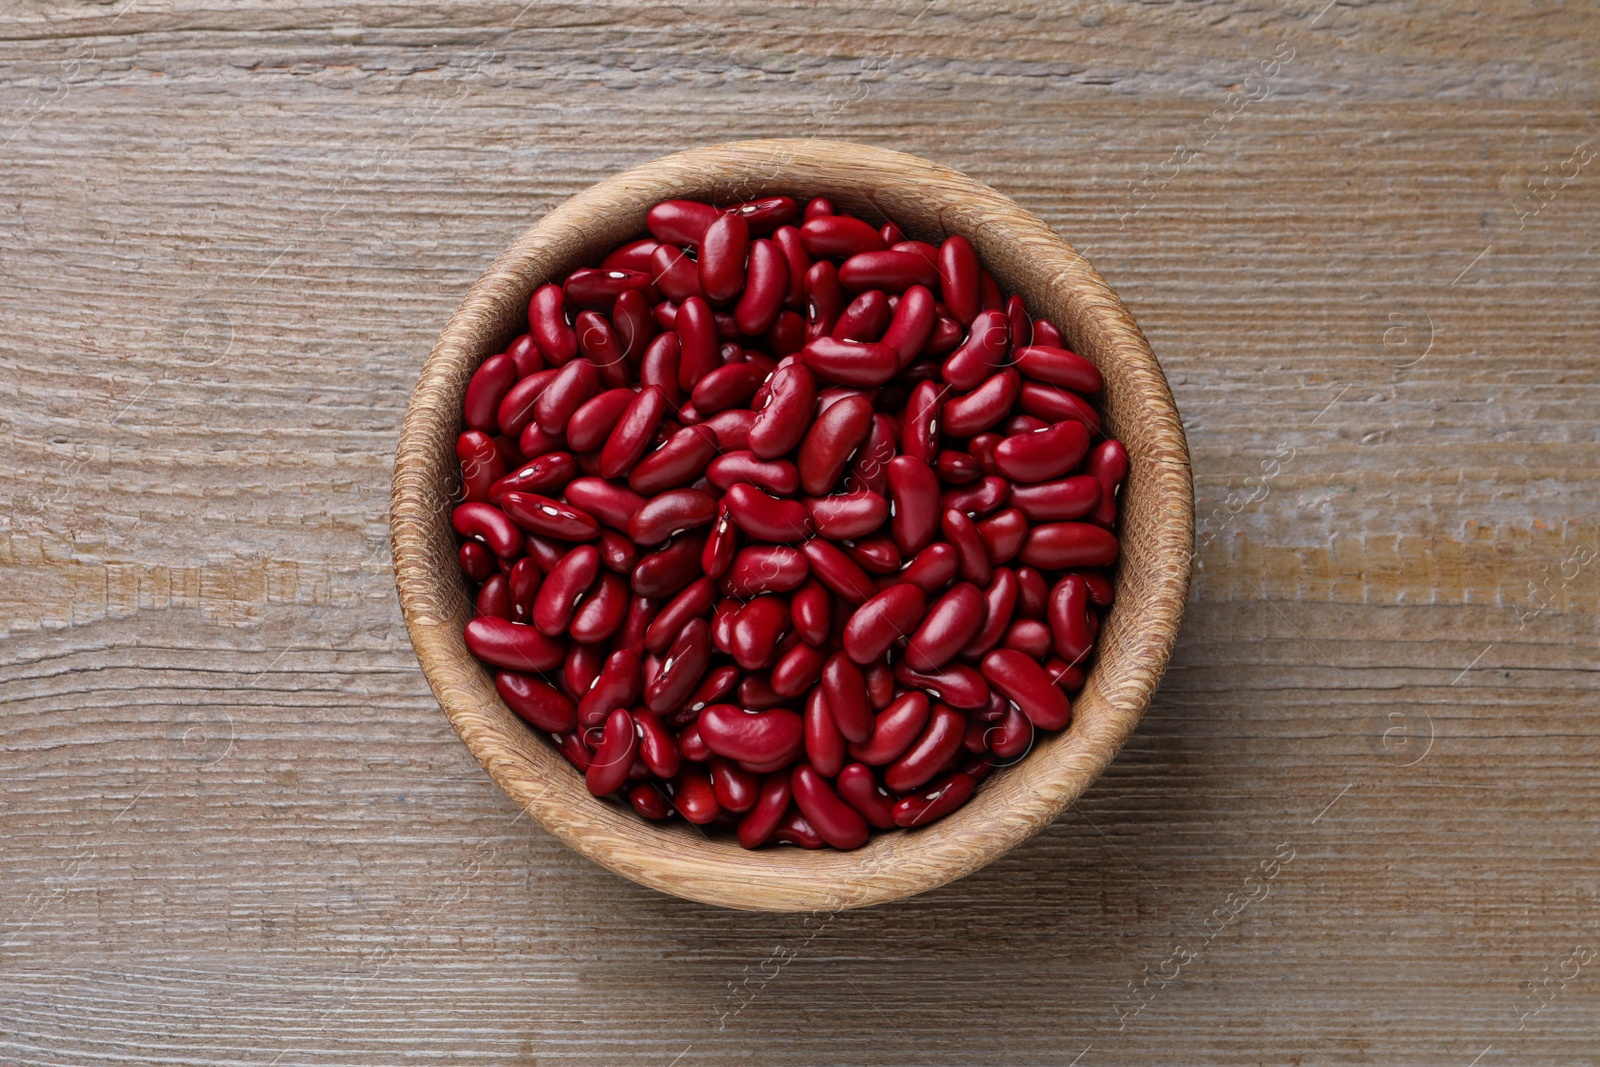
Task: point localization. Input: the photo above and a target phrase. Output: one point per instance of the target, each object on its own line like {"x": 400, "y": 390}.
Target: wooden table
{"x": 1358, "y": 825}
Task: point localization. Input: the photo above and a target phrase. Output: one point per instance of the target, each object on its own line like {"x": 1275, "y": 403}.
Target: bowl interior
{"x": 929, "y": 202}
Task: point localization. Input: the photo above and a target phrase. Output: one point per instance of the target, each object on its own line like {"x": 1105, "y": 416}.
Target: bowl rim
{"x": 928, "y": 201}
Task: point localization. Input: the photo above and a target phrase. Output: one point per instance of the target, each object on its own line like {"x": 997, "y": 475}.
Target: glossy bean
{"x": 635, "y": 325}
{"x": 824, "y": 744}
{"x": 1067, "y": 498}
{"x": 765, "y": 290}
{"x": 920, "y": 433}
{"x": 753, "y": 639}
{"x": 512, "y": 645}
{"x": 893, "y": 730}
{"x": 846, "y": 515}
{"x": 844, "y": 689}
{"x": 760, "y": 737}
{"x": 759, "y": 824}
{"x": 1054, "y": 404}
{"x": 599, "y": 344}
{"x": 1068, "y": 615}
{"x": 777, "y": 476}
{"x": 608, "y": 770}
{"x": 516, "y": 411}
{"x": 731, "y": 385}
{"x": 831, "y": 441}
{"x": 864, "y": 318}
{"x": 682, "y": 222}
{"x": 648, "y": 800}
{"x": 795, "y": 830}
{"x": 835, "y": 822}
{"x": 665, "y": 571}
{"x": 489, "y": 525}
{"x": 765, "y": 569}
{"x": 870, "y": 468}
{"x": 618, "y": 685}
{"x": 882, "y": 620}
{"x": 675, "y": 273}
{"x": 659, "y": 366}
{"x": 1000, "y": 606}
{"x": 547, "y": 321}
{"x": 722, "y": 543}
{"x": 1028, "y": 636}
{"x": 630, "y": 435}
{"x": 767, "y": 518}
{"x": 824, "y": 299}
{"x": 958, "y": 278}
{"x": 486, "y": 389}
{"x": 685, "y": 664}
{"x": 737, "y": 790}
{"x": 876, "y": 555}
{"x": 580, "y": 669}
{"x": 859, "y": 788}
{"x": 953, "y": 621}
{"x": 1043, "y": 454}
{"x": 713, "y": 689}
{"x": 669, "y": 514}
{"x": 694, "y": 797}
{"x": 522, "y": 585}
{"x": 972, "y": 553}
{"x": 842, "y": 575}
{"x": 1108, "y": 464}
{"x": 980, "y": 499}
{"x": 787, "y": 238}
{"x": 698, "y": 344}
{"x": 1023, "y": 681}
{"x": 1063, "y": 545}
{"x": 692, "y": 603}
{"x": 935, "y": 802}
{"x": 782, "y": 423}
{"x": 547, "y": 474}
{"x": 1003, "y": 534}
{"x": 635, "y": 255}
{"x": 908, "y": 332}
{"x": 811, "y": 612}
{"x": 891, "y": 271}
{"x": 981, "y": 354}
{"x": 756, "y": 693}
{"x": 597, "y": 288}
{"x": 914, "y": 492}
{"x": 494, "y": 599}
{"x": 722, "y": 258}
{"x": 542, "y": 515}
{"x": 984, "y": 406}
{"x": 477, "y": 561}
{"x": 797, "y": 670}
{"x": 572, "y": 385}
{"x": 607, "y": 502}
{"x": 867, "y": 363}
{"x": 839, "y": 236}
{"x": 956, "y": 468}
{"x": 955, "y": 684}
{"x": 680, "y": 460}
{"x": 934, "y": 747}
{"x": 932, "y": 569}
{"x": 945, "y": 338}
{"x": 1057, "y": 366}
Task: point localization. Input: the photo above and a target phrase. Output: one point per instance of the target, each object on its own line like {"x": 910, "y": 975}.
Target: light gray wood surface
{"x": 238, "y": 830}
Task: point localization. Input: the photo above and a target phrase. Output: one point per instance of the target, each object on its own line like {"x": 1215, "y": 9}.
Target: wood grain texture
{"x": 230, "y": 236}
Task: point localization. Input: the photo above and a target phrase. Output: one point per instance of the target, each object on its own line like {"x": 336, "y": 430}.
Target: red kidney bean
{"x": 766, "y": 518}
{"x": 939, "y": 741}
{"x": 547, "y": 321}
{"x": 664, "y": 572}
{"x": 780, "y": 425}
{"x": 659, "y": 366}
{"x": 956, "y": 468}
{"x": 859, "y": 788}
{"x": 932, "y": 568}
{"x": 980, "y": 409}
{"x": 893, "y": 730}
{"x": 871, "y": 466}
{"x": 713, "y": 688}
{"x": 838, "y": 236}
{"x": 908, "y": 332}
{"x": 648, "y": 800}
{"x": 669, "y": 514}
{"x": 823, "y": 743}
{"x": 1069, "y": 679}
{"x": 699, "y": 350}
{"x": 721, "y": 545}
{"x": 731, "y": 385}
{"x": 602, "y": 610}
{"x": 524, "y": 352}
{"x": 765, "y": 569}
{"x": 494, "y": 599}
{"x": 1012, "y": 736}
{"x": 635, "y": 255}
{"x": 1028, "y": 636}
{"x": 742, "y": 467}
{"x": 694, "y": 797}
{"x": 758, "y": 825}
{"x": 811, "y": 611}
{"x": 488, "y": 386}
{"x": 1023, "y": 681}
{"x": 1018, "y": 323}
{"x": 878, "y": 555}
{"x": 512, "y": 645}
{"x": 978, "y": 500}
{"x": 935, "y": 802}
{"x": 891, "y": 234}
{"x": 490, "y": 525}
{"x": 756, "y": 693}
{"x": 692, "y": 603}
{"x": 797, "y": 670}
{"x": 922, "y": 249}
{"x": 736, "y": 789}
{"x": 953, "y": 621}
{"x": 914, "y": 491}
{"x": 618, "y": 745}
{"x": 1102, "y": 593}
{"x": 880, "y": 683}
{"x": 1003, "y": 534}
{"x": 824, "y": 299}
{"x": 920, "y": 436}
{"x": 751, "y": 737}
{"x": 545, "y": 474}
{"x": 848, "y": 515}
{"x": 629, "y": 435}
{"x": 618, "y": 685}
{"x": 958, "y": 278}
{"x": 763, "y": 297}
{"x": 1068, "y": 614}
{"x": 722, "y": 258}
{"x": 680, "y": 460}
{"x": 572, "y": 385}
{"x": 681, "y": 670}
{"x": 831, "y": 441}
{"x": 580, "y": 669}
{"x": 1108, "y": 464}
{"x": 1068, "y": 498}
{"x": 1062, "y": 545}
{"x": 756, "y": 629}
{"x": 989, "y": 293}
{"x": 972, "y": 555}
{"x": 835, "y": 822}
{"x": 946, "y": 337}
{"x": 600, "y": 345}
{"x": 1057, "y": 366}
{"x": 795, "y": 830}
{"x": 981, "y": 354}
{"x": 868, "y": 363}
{"x": 786, "y": 335}
{"x": 864, "y": 318}
{"x": 888, "y": 270}
{"x": 981, "y": 449}
{"x": 682, "y": 222}
{"x": 955, "y": 684}
{"x": 541, "y": 515}
{"x": 1000, "y": 605}
{"x": 522, "y": 584}
{"x": 517, "y": 406}
{"x": 545, "y": 551}
{"x": 766, "y": 214}
{"x": 1054, "y": 404}
{"x": 571, "y": 745}
{"x": 596, "y": 417}
{"x": 1043, "y": 454}
{"x": 565, "y": 582}
{"x": 605, "y": 501}
{"x": 477, "y": 561}
{"x": 675, "y": 273}
{"x": 641, "y": 613}
{"x": 882, "y": 620}
{"x": 844, "y": 690}
{"x": 787, "y": 238}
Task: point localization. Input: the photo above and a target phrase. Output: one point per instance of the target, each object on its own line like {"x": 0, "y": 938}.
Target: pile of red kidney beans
{"x": 786, "y": 523}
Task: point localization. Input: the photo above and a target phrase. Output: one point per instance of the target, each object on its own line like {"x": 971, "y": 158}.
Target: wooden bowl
{"x": 929, "y": 202}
